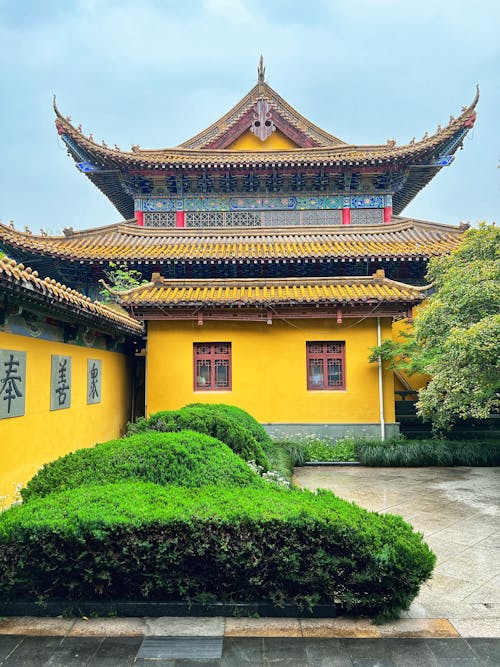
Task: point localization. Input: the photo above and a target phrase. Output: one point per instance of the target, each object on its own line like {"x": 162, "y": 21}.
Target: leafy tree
{"x": 456, "y": 334}
{"x": 121, "y": 278}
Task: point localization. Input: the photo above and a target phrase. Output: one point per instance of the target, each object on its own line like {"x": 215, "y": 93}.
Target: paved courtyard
{"x": 455, "y": 621}
{"x": 457, "y": 510}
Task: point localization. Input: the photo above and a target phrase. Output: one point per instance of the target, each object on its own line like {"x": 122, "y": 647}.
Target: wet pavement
{"x": 454, "y": 622}
{"x": 457, "y": 510}
{"x": 250, "y": 652}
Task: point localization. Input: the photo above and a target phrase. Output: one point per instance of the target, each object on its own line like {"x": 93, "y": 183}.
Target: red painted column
{"x": 388, "y": 208}
{"x": 180, "y": 220}
{"x": 139, "y": 216}
{"x": 346, "y": 210}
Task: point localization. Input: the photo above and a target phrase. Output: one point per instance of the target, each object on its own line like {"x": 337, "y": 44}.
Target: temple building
{"x": 275, "y": 255}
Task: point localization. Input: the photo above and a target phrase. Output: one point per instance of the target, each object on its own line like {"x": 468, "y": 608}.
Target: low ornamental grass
{"x": 141, "y": 541}
{"x": 432, "y": 452}
{"x": 219, "y": 422}
{"x": 185, "y": 459}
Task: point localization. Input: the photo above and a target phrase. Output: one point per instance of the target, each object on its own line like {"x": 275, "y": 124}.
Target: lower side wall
{"x": 42, "y": 435}
{"x": 331, "y": 431}
{"x": 269, "y": 370}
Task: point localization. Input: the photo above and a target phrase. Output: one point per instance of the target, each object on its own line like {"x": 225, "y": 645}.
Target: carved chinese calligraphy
{"x": 12, "y": 383}
{"x": 94, "y": 381}
{"x": 60, "y": 382}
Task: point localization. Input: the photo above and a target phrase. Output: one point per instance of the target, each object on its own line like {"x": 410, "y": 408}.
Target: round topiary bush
{"x": 241, "y": 416}
{"x": 203, "y": 419}
{"x": 141, "y": 541}
{"x": 185, "y": 459}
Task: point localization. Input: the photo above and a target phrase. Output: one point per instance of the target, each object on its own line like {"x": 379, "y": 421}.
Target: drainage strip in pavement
{"x": 181, "y": 648}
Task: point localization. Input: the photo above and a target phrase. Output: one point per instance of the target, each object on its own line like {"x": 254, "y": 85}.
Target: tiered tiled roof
{"x": 277, "y": 292}
{"x": 334, "y": 153}
{"x": 208, "y": 150}
{"x": 25, "y": 284}
{"x": 126, "y": 242}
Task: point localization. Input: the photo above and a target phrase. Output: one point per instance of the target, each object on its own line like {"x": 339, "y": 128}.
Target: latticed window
{"x": 160, "y": 219}
{"x": 212, "y": 366}
{"x": 272, "y": 218}
{"x": 367, "y": 216}
{"x": 325, "y": 365}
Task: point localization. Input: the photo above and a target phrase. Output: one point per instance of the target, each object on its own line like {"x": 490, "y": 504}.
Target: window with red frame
{"x": 325, "y": 365}
{"x": 212, "y": 366}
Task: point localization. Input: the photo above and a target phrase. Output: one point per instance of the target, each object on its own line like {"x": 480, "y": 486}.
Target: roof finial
{"x": 261, "y": 70}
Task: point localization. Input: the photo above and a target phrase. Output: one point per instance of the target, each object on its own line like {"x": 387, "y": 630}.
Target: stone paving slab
{"x": 34, "y": 625}
{"x": 244, "y": 627}
{"x": 262, "y": 627}
{"x": 254, "y": 652}
{"x": 108, "y": 627}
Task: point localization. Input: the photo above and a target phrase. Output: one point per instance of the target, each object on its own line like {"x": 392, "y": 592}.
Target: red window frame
{"x": 325, "y": 365}
{"x": 208, "y": 360}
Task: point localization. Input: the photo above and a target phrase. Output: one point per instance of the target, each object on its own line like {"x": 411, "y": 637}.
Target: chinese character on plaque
{"x": 94, "y": 381}
{"x": 12, "y": 383}
{"x": 60, "y": 382}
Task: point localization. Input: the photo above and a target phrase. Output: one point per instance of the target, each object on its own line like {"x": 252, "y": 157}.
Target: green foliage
{"x": 467, "y": 384}
{"x": 121, "y": 278}
{"x": 301, "y": 449}
{"x": 280, "y": 459}
{"x": 140, "y": 541}
{"x": 432, "y": 452}
{"x": 219, "y": 423}
{"x": 456, "y": 334}
{"x": 341, "y": 450}
{"x": 241, "y": 416}
{"x": 185, "y": 459}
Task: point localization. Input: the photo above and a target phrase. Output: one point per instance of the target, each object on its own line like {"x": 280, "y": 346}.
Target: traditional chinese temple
{"x": 275, "y": 256}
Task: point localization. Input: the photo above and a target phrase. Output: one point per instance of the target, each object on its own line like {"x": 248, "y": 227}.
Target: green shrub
{"x": 139, "y": 541}
{"x": 312, "y": 448}
{"x": 340, "y": 450}
{"x": 241, "y": 416}
{"x": 185, "y": 459}
{"x": 431, "y": 452}
{"x": 203, "y": 419}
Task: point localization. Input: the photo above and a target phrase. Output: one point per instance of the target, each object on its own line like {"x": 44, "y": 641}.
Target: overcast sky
{"x": 156, "y": 72}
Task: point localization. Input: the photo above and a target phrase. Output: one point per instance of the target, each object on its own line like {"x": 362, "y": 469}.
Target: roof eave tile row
{"x": 371, "y": 290}
{"x": 402, "y": 239}
{"x": 326, "y": 155}
{"x": 25, "y": 284}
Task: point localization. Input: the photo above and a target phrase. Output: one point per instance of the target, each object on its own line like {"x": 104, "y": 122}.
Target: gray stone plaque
{"x": 60, "y": 382}
{"x": 94, "y": 381}
{"x": 12, "y": 383}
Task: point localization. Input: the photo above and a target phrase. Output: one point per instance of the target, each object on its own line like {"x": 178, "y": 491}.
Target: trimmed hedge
{"x": 428, "y": 453}
{"x": 204, "y": 419}
{"x": 241, "y": 416}
{"x": 185, "y": 459}
{"x": 142, "y": 541}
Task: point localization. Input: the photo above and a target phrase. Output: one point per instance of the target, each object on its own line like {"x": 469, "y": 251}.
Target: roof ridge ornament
{"x": 261, "y": 71}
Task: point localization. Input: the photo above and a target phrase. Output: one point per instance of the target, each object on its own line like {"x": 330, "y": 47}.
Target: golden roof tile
{"x": 270, "y": 292}
{"x": 335, "y": 152}
{"x": 23, "y": 281}
{"x": 404, "y": 238}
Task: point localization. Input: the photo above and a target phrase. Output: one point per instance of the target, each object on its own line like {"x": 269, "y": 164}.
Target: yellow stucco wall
{"x": 269, "y": 370}
{"x": 249, "y": 142}
{"x": 41, "y": 435}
